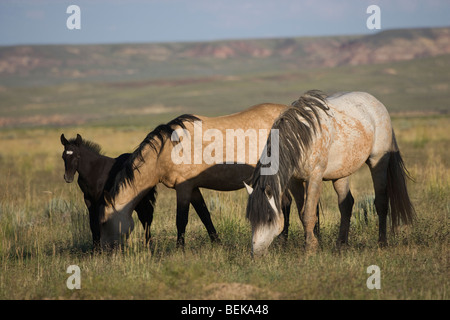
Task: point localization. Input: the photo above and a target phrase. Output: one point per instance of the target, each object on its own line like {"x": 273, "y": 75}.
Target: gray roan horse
{"x": 329, "y": 138}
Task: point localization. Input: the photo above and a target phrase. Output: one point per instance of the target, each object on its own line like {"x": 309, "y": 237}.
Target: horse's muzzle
{"x": 68, "y": 179}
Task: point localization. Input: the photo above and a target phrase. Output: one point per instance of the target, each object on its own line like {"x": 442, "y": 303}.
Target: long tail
{"x": 402, "y": 210}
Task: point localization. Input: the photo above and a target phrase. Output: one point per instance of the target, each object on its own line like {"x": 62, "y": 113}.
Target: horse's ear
{"x": 249, "y": 189}
{"x": 268, "y": 191}
{"x": 269, "y": 194}
{"x": 64, "y": 140}
{"x": 78, "y": 140}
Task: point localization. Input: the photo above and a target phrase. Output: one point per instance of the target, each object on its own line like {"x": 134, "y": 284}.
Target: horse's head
{"x": 71, "y": 156}
{"x": 116, "y": 222}
{"x": 266, "y": 218}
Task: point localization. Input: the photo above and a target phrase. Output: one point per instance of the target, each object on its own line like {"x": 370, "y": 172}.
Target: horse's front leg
{"x": 345, "y": 201}
{"x": 93, "y": 222}
{"x": 309, "y": 217}
{"x": 183, "y": 201}
{"x": 286, "y": 201}
{"x": 144, "y": 210}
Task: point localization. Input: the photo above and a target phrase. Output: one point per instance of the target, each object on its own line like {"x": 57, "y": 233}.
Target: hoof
{"x": 382, "y": 244}
{"x": 312, "y": 246}
{"x": 215, "y": 238}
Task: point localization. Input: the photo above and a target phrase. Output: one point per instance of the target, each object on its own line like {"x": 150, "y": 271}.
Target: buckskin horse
{"x": 153, "y": 162}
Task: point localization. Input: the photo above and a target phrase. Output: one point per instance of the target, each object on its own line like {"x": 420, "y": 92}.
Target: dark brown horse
{"x": 95, "y": 173}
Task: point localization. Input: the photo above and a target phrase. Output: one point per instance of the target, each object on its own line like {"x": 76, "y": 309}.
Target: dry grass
{"x": 44, "y": 229}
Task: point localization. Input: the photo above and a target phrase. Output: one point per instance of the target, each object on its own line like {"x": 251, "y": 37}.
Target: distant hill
{"x": 52, "y": 64}
{"x": 148, "y": 84}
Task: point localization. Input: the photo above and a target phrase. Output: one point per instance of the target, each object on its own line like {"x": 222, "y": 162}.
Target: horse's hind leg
{"x": 346, "y": 201}
{"x": 378, "y": 168}
{"x": 200, "y": 206}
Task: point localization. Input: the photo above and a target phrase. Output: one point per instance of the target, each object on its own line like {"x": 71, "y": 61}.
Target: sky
{"x": 132, "y": 21}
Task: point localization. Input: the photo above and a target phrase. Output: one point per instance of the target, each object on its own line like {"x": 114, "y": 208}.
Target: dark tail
{"x": 402, "y": 210}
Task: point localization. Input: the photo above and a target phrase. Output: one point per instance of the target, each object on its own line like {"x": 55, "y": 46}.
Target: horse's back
{"x": 362, "y": 130}
{"x": 255, "y": 117}
{"x": 360, "y": 105}
{"x": 370, "y": 112}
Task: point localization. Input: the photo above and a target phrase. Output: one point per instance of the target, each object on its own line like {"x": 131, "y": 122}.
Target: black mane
{"x": 160, "y": 134}
{"x": 296, "y": 127}
{"x": 94, "y": 147}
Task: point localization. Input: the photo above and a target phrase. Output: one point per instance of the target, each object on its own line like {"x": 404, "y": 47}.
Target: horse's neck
{"x": 92, "y": 164}
{"x": 146, "y": 176}
{"x": 149, "y": 172}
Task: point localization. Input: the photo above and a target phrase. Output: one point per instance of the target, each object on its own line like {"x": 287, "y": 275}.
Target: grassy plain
{"x": 419, "y": 85}
{"x": 44, "y": 224}
{"x": 44, "y": 229}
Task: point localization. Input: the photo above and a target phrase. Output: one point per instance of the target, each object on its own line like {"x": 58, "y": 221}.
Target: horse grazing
{"x": 95, "y": 173}
{"x": 329, "y": 138}
{"x": 166, "y": 156}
